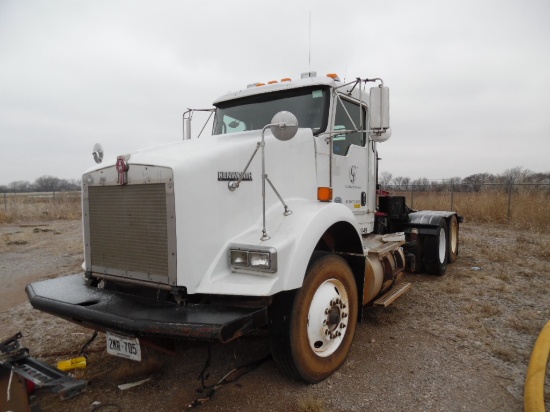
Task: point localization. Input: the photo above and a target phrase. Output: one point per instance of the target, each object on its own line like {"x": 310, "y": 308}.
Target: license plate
{"x": 123, "y": 346}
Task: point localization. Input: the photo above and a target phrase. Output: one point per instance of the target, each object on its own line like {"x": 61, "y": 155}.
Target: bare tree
{"x": 401, "y": 183}
{"x": 421, "y": 184}
{"x": 454, "y": 183}
{"x": 543, "y": 178}
{"x": 20, "y": 186}
{"x": 516, "y": 175}
{"x": 476, "y": 181}
{"x": 46, "y": 183}
{"x": 385, "y": 178}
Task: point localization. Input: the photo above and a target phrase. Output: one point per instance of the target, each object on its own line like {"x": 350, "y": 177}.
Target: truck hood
{"x": 209, "y": 216}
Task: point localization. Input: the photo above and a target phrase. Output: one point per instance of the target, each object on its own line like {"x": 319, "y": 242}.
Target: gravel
{"x": 460, "y": 342}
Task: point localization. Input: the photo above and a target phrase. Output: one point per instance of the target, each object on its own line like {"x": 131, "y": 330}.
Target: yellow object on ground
{"x": 75, "y": 363}
{"x": 533, "y": 397}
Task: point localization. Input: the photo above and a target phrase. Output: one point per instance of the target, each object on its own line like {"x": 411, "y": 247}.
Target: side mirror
{"x": 284, "y": 126}
{"x": 379, "y": 113}
{"x": 187, "y": 124}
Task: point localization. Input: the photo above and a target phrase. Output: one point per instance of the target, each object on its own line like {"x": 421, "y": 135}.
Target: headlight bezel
{"x": 242, "y": 258}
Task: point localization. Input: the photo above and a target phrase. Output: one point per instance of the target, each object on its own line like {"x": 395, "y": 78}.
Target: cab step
{"x": 393, "y": 293}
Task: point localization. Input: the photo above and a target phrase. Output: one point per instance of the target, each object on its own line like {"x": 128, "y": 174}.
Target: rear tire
{"x": 453, "y": 239}
{"x": 311, "y": 329}
{"x": 436, "y": 251}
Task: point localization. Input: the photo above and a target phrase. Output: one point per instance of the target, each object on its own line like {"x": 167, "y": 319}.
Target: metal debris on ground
{"x": 17, "y": 359}
{"x": 230, "y": 377}
{"x": 125, "y": 386}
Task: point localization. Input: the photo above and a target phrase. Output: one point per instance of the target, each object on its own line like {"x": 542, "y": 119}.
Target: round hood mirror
{"x": 97, "y": 153}
{"x": 284, "y": 125}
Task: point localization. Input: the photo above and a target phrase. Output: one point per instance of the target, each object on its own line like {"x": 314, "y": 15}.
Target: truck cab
{"x": 274, "y": 221}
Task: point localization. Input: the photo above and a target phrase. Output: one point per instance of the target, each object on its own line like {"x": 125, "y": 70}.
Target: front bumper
{"x": 68, "y": 297}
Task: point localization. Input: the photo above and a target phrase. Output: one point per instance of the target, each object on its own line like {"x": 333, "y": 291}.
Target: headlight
{"x": 260, "y": 260}
{"x": 239, "y": 258}
{"x": 245, "y": 257}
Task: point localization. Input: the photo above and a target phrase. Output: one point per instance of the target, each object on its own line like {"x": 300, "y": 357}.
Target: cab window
{"x": 348, "y": 119}
{"x": 231, "y": 125}
{"x": 309, "y": 105}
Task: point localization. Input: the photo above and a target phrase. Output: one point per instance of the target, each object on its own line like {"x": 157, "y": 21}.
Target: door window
{"x": 349, "y": 119}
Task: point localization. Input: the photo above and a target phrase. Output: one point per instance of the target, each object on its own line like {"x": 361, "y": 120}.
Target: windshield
{"x": 308, "y": 104}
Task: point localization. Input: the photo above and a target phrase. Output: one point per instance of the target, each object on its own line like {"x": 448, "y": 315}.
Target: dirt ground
{"x": 460, "y": 342}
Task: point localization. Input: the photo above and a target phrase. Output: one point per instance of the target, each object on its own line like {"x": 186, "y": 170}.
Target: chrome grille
{"x": 128, "y": 232}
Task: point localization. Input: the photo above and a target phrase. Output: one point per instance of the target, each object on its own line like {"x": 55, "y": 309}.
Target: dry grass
{"x": 503, "y": 352}
{"x": 513, "y": 279}
{"x": 529, "y": 209}
{"x": 40, "y": 206}
{"x": 524, "y": 321}
{"x": 309, "y": 404}
{"x": 123, "y": 370}
{"x": 452, "y": 286}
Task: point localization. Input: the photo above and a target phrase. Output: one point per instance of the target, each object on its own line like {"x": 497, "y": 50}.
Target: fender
{"x": 427, "y": 221}
{"x": 294, "y": 238}
{"x": 313, "y": 222}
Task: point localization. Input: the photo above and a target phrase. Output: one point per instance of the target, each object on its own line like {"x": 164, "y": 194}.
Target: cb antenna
{"x": 309, "y": 62}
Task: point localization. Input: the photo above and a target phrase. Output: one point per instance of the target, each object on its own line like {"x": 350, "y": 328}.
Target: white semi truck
{"x": 274, "y": 222}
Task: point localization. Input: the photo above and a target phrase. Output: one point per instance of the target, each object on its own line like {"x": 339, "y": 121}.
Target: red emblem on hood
{"x": 122, "y": 169}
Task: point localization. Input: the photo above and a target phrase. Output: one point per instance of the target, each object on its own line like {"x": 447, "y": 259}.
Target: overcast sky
{"x": 469, "y": 80}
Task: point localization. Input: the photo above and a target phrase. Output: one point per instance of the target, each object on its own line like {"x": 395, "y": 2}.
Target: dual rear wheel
{"x": 441, "y": 248}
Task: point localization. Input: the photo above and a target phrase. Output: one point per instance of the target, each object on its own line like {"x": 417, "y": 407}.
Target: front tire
{"x": 311, "y": 330}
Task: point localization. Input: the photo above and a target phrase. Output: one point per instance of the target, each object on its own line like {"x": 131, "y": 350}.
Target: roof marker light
{"x": 260, "y": 84}
{"x": 272, "y": 82}
{"x": 286, "y": 79}
{"x": 333, "y": 76}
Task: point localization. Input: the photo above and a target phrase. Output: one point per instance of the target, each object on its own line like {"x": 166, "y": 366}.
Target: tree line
{"x": 42, "y": 184}
{"x": 475, "y": 182}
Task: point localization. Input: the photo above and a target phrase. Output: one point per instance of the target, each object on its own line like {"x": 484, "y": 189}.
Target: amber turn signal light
{"x": 324, "y": 194}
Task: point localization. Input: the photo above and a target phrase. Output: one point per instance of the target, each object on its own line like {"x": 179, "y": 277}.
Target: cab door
{"x": 350, "y": 165}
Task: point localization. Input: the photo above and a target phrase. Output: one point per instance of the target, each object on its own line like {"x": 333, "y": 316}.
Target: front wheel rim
{"x": 328, "y": 318}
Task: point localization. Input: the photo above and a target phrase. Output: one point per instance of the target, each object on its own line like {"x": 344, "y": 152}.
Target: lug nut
{"x": 327, "y": 310}
{"x": 342, "y": 326}
{"x": 344, "y": 315}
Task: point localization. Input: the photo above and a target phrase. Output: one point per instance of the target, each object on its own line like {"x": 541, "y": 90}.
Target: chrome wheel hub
{"x": 328, "y": 317}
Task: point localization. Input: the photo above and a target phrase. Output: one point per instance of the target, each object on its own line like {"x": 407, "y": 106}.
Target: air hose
{"x": 533, "y": 397}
